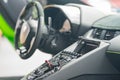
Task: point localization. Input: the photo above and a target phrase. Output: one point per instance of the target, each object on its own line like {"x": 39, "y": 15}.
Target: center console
{"x": 83, "y": 47}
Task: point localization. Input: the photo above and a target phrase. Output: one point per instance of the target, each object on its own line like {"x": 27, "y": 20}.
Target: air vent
{"x": 97, "y": 33}
{"x": 104, "y": 34}
{"x": 109, "y": 35}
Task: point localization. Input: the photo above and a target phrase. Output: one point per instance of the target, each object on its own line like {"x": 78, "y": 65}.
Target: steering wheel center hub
{"x": 24, "y": 32}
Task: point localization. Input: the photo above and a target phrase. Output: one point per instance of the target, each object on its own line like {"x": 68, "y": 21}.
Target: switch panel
{"x": 62, "y": 58}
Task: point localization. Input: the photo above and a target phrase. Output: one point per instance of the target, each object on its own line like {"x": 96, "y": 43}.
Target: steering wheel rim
{"x": 24, "y": 54}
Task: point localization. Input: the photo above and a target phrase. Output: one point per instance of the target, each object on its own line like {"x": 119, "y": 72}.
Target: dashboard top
{"x": 111, "y": 22}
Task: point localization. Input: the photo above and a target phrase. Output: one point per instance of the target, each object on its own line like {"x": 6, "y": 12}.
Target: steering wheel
{"x": 29, "y": 29}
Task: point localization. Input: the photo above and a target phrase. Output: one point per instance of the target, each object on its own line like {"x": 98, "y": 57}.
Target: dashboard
{"x": 106, "y": 28}
{"x": 80, "y": 43}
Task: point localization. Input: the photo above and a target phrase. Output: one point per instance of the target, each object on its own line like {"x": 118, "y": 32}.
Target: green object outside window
{"x": 7, "y": 31}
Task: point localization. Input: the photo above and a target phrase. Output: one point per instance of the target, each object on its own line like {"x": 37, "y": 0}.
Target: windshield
{"x": 108, "y": 6}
